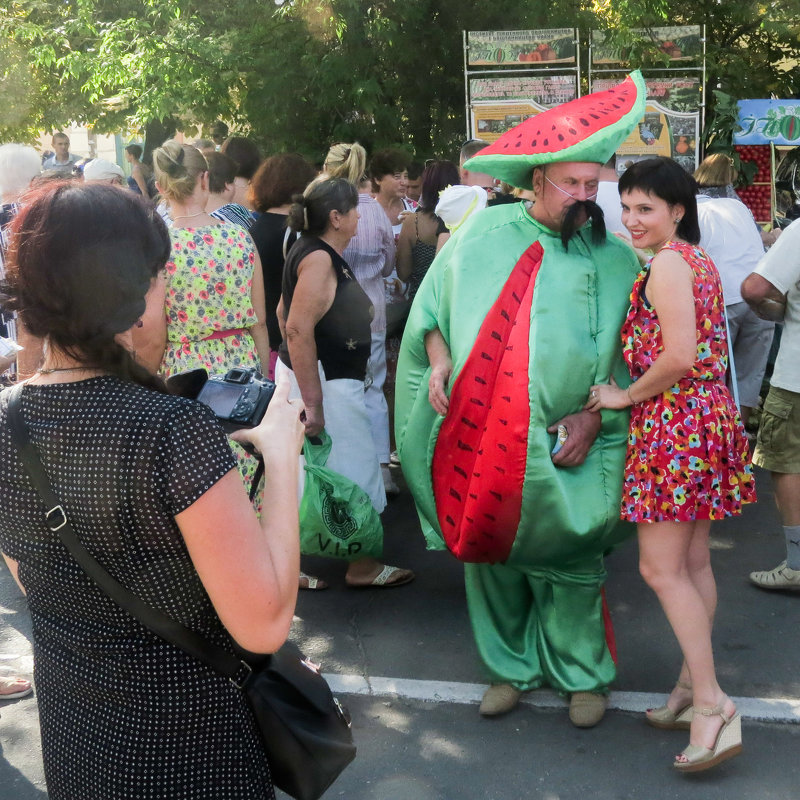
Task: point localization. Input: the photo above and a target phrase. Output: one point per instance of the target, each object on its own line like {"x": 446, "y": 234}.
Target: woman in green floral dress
{"x": 208, "y": 309}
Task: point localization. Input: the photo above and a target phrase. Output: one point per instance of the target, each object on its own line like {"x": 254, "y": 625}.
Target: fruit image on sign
{"x": 765, "y": 121}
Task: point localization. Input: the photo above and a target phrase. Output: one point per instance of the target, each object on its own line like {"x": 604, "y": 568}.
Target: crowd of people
{"x": 549, "y": 379}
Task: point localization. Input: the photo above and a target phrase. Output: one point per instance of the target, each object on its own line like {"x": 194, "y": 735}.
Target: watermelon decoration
{"x": 590, "y": 128}
{"x": 478, "y": 466}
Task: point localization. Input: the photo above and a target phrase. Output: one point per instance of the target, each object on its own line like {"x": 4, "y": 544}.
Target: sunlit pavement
{"x": 404, "y": 663}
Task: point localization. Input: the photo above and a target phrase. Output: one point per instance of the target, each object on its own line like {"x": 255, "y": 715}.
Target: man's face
{"x": 414, "y": 188}
{"x": 559, "y": 185}
{"x": 61, "y": 147}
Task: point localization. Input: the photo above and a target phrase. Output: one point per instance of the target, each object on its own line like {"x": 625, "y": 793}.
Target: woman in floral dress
{"x": 687, "y": 461}
{"x": 208, "y": 311}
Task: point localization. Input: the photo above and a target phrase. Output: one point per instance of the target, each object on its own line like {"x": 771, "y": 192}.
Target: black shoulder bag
{"x": 305, "y": 730}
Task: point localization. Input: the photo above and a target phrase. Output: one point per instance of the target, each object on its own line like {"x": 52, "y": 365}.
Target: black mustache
{"x": 575, "y": 218}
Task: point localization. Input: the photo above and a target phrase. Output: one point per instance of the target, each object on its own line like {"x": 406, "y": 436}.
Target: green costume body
{"x": 537, "y": 617}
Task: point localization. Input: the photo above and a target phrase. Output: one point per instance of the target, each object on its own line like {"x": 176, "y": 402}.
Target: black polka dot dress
{"x": 124, "y": 715}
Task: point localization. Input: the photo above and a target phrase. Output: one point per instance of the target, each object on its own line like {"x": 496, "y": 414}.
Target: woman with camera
{"x": 149, "y": 484}
{"x": 325, "y": 318}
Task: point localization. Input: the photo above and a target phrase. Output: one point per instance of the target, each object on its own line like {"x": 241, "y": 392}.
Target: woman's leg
{"x": 664, "y": 554}
{"x": 699, "y": 566}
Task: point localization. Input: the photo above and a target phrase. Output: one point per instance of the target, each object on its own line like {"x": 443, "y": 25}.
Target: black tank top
{"x": 343, "y": 335}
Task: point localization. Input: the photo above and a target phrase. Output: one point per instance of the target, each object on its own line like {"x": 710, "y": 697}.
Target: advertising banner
{"x": 765, "y": 121}
{"x": 679, "y": 42}
{"x": 531, "y": 48}
{"x": 498, "y": 104}
{"x": 670, "y": 126}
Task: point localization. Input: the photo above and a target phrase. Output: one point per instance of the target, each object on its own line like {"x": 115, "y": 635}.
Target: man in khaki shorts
{"x": 773, "y": 292}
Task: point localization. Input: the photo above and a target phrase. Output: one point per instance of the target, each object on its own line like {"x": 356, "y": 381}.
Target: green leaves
{"x": 310, "y": 72}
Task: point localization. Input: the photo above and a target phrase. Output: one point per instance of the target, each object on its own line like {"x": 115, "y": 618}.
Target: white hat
{"x": 456, "y": 203}
{"x": 101, "y": 170}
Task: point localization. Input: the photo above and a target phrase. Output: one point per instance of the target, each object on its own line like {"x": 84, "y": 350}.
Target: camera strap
{"x": 259, "y": 474}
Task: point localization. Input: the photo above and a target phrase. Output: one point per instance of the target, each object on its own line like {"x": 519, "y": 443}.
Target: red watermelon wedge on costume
{"x": 589, "y": 128}
{"x": 479, "y": 462}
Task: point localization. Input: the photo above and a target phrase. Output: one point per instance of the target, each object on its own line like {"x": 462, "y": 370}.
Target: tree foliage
{"x": 310, "y": 72}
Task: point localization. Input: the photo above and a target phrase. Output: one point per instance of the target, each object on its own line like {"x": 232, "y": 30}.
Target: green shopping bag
{"x": 337, "y": 518}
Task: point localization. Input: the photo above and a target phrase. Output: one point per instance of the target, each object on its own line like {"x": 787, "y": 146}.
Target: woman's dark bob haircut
{"x": 311, "y": 212}
{"x": 664, "y": 178}
{"x": 81, "y": 258}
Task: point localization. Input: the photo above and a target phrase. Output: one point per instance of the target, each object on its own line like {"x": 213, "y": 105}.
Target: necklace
{"x": 189, "y": 216}
{"x": 50, "y": 370}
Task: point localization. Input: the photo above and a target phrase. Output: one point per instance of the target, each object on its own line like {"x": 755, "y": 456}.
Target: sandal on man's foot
{"x": 309, "y": 582}
{"x": 14, "y": 688}
{"x": 387, "y": 578}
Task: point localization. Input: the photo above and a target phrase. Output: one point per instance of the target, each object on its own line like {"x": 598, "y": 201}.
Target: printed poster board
{"x": 670, "y": 126}
{"x": 679, "y": 42}
{"x": 498, "y": 104}
{"x": 768, "y": 121}
{"x": 532, "y": 48}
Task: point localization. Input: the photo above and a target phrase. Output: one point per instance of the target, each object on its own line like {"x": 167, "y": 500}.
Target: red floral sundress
{"x": 687, "y": 453}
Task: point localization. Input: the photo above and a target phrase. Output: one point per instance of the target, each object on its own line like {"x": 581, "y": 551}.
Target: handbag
{"x": 305, "y": 730}
{"x": 337, "y": 518}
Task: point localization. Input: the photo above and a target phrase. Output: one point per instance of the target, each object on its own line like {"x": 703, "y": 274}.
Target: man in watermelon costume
{"x": 519, "y": 325}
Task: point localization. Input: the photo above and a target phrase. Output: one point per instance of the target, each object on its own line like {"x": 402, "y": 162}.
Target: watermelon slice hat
{"x": 589, "y": 128}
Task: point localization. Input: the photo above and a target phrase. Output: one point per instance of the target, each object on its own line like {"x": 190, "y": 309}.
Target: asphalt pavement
{"x": 404, "y": 663}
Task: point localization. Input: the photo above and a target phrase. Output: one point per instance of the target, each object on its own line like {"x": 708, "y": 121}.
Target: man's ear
{"x": 537, "y": 179}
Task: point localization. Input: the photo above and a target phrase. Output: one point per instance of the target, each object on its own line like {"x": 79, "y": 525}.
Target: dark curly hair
{"x": 81, "y": 258}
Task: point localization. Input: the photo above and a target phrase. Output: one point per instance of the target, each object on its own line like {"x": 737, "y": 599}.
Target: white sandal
{"x": 727, "y": 744}
{"x": 7, "y": 685}
{"x": 312, "y": 583}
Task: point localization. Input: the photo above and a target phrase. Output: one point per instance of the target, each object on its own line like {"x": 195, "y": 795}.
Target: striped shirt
{"x": 233, "y": 212}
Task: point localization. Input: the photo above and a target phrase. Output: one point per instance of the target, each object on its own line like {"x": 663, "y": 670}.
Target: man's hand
{"x": 582, "y": 429}
{"x": 441, "y": 369}
{"x": 437, "y": 388}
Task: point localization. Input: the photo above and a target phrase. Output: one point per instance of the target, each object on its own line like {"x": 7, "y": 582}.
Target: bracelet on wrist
{"x": 633, "y": 402}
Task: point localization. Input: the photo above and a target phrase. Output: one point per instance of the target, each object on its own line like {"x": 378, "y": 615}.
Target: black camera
{"x": 238, "y": 399}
